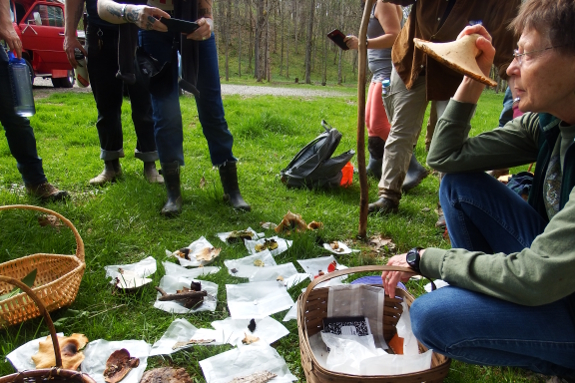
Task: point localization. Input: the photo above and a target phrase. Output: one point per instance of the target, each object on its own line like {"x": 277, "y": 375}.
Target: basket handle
{"x": 358, "y": 269}
{"x": 43, "y": 311}
{"x": 79, "y": 242}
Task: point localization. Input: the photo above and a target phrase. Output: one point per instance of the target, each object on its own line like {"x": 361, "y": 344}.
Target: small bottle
{"x": 21, "y": 83}
{"x": 82, "y": 69}
{"x": 385, "y": 84}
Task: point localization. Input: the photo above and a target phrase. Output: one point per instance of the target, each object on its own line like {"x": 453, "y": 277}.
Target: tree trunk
{"x": 309, "y": 43}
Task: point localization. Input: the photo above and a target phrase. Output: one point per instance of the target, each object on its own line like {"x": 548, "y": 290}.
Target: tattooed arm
{"x": 143, "y": 16}
{"x": 206, "y": 21}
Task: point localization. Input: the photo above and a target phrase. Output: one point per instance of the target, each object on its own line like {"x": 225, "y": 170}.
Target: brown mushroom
{"x": 119, "y": 365}
{"x": 166, "y": 375}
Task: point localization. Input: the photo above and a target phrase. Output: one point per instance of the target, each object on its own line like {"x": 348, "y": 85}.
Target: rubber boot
{"x": 375, "y": 147}
{"x": 151, "y": 173}
{"x": 415, "y": 174}
{"x": 112, "y": 170}
{"x": 171, "y": 173}
{"x": 229, "y": 177}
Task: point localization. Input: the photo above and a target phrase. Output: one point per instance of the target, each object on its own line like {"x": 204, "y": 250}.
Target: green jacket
{"x": 534, "y": 276}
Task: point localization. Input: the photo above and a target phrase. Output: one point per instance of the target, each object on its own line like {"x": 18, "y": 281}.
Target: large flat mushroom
{"x": 118, "y": 365}
{"x": 70, "y": 347}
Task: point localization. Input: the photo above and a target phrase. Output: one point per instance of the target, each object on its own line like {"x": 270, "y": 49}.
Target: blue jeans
{"x": 108, "y": 93}
{"x": 167, "y": 114}
{"x": 482, "y": 214}
{"x": 19, "y": 133}
{"x": 507, "y": 111}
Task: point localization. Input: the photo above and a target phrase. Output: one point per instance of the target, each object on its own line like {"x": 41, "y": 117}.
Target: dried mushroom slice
{"x": 119, "y": 365}
{"x": 256, "y": 377}
{"x": 166, "y": 375}
{"x": 239, "y": 235}
{"x": 249, "y": 339}
{"x": 69, "y": 349}
{"x": 208, "y": 254}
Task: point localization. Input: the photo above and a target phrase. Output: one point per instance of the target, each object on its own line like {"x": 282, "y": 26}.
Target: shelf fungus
{"x": 291, "y": 222}
{"x": 70, "y": 347}
{"x": 184, "y": 252}
{"x": 119, "y": 365}
{"x": 188, "y": 297}
{"x": 239, "y": 235}
{"x": 256, "y": 377}
{"x": 191, "y": 342}
{"x": 208, "y": 254}
{"x": 269, "y": 244}
{"x": 166, "y": 375}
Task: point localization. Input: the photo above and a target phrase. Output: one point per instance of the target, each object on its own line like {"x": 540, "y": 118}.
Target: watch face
{"x": 411, "y": 256}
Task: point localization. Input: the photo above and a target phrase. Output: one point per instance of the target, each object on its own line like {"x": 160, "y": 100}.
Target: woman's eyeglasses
{"x": 519, "y": 56}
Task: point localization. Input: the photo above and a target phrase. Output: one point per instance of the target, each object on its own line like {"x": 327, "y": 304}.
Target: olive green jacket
{"x": 537, "y": 275}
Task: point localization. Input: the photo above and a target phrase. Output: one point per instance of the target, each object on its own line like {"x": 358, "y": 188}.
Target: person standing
{"x": 164, "y": 46}
{"x": 416, "y": 79}
{"x": 102, "y": 58}
{"x": 17, "y": 129}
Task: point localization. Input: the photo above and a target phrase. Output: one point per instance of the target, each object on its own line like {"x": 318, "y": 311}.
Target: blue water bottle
{"x": 21, "y": 83}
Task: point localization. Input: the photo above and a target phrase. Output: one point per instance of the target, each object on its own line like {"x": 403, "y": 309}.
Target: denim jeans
{"x": 167, "y": 114}
{"x": 19, "y": 133}
{"x": 484, "y": 215}
{"x": 108, "y": 93}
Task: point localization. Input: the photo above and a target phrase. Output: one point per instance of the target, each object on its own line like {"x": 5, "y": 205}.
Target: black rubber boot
{"x": 415, "y": 174}
{"x": 171, "y": 172}
{"x": 229, "y": 177}
{"x": 375, "y": 147}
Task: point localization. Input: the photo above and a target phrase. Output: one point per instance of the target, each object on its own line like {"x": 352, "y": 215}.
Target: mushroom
{"x": 119, "y": 365}
{"x": 69, "y": 349}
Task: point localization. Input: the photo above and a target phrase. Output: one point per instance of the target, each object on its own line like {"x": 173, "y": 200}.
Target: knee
{"x": 429, "y": 321}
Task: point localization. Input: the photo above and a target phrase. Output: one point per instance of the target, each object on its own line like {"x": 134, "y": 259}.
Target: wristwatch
{"x": 412, "y": 258}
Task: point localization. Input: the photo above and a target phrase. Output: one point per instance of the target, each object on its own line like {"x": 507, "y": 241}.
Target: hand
{"x": 391, "y": 278}
{"x": 352, "y": 42}
{"x": 204, "y": 32}
{"x": 9, "y": 35}
{"x": 146, "y": 17}
{"x": 483, "y": 44}
{"x": 70, "y": 45}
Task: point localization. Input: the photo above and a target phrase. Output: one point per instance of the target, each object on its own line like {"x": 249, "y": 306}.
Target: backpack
{"x": 313, "y": 166}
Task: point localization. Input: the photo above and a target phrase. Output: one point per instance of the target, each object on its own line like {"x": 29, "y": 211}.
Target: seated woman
{"x": 511, "y": 271}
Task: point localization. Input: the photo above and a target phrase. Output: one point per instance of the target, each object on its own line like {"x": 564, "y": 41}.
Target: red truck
{"x": 40, "y": 26}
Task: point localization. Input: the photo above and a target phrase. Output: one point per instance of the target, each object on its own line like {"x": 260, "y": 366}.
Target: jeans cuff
{"x": 109, "y": 155}
{"x": 146, "y": 156}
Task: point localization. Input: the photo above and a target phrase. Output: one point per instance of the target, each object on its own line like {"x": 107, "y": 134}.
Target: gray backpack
{"x": 313, "y": 166}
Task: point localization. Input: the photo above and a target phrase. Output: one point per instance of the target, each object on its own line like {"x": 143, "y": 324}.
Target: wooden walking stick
{"x": 362, "y": 60}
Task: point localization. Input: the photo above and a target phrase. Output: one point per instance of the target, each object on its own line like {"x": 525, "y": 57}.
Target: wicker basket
{"x": 57, "y": 280}
{"x": 49, "y": 375}
{"x": 312, "y": 309}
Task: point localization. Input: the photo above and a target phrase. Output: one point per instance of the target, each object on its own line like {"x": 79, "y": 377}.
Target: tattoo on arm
{"x": 205, "y": 8}
{"x": 111, "y": 8}
{"x": 132, "y": 16}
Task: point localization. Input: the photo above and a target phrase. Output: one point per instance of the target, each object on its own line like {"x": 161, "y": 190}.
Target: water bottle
{"x": 21, "y": 83}
{"x": 385, "y": 84}
{"x": 81, "y": 70}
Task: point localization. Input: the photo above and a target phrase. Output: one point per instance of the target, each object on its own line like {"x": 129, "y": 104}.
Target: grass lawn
{"x": 120, "y": 223}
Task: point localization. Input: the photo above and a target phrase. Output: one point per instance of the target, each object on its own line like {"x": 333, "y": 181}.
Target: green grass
{"x": 120, "y": 223}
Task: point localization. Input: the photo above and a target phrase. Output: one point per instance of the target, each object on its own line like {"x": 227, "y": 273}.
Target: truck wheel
{"x": 32, "y": 75}
{"x": 64, "y": 82}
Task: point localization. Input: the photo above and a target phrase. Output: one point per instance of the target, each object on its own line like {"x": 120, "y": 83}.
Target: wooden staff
{"x": 362, "y": 59}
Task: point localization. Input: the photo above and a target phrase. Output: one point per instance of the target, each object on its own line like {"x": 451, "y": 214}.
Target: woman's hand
{"x": 483, "y": 44}
{"x": 351, "y": 41}
{"x": 391, "y": 278}
{"x": 146, "y": 17}
{"x": 470, "y": 90}
{"x": 204, "y": 32}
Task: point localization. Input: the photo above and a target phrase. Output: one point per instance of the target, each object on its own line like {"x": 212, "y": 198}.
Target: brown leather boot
{"x": 47, "y": 192}
{"x": 112, "y": 170}
{"x": 151, "y": 173}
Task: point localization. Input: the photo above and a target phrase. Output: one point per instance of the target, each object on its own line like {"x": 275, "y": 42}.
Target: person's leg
{"x": 22, "y": 142}
{"x": 377, "y": 129}
{"x": 406, "y": 108}
{"x": 478, "y": 329}
{"x": 485, "y": 215}
{"x": 102, "y": 49}
{"x": 168, "y": 128}
{"x": 214, "y": 124}
{"x": 146, "y": 151}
